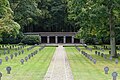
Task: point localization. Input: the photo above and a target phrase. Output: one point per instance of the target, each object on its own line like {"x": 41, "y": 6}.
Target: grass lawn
{"x": 84, "y": 69}
{"x": 34, "y": 69}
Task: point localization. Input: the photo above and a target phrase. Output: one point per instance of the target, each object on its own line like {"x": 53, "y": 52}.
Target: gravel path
{"x": 59, "y": 68}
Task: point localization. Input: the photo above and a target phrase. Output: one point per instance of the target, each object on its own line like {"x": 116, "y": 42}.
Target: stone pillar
{"x": 56, "y": 39}
{"x": 40, "y": 38}
{"x": 48, "y": 39}
{"x": 64, "y": 39}
{"x": 72, "y": 39}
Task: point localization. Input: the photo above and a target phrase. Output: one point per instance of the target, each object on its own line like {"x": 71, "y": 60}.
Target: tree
{"x": 7, "y": 24}
{"x": 26, "y": 13}
{"x": 96, "y": 18}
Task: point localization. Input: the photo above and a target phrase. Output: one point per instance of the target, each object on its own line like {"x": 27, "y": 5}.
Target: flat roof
{"x": 51, "y": 33}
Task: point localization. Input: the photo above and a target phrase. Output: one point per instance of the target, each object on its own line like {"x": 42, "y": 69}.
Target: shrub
{"x": 8, "y": 39}
{"x": 31, "y": 39}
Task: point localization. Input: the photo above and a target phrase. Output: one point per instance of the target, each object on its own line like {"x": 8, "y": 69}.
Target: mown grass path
{"x": 84, "y": 69}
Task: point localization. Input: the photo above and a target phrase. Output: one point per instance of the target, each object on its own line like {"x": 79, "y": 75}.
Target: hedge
{"x": 31, "y": 39}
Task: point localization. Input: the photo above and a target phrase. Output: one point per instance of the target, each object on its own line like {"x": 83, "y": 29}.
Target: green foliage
{"x": 7, "y": 39}
{"x": 7, "y": 24}
{"x": 25, "y": 12}
{"x": 31, "y": 39}
{"x": 92, "y": 16}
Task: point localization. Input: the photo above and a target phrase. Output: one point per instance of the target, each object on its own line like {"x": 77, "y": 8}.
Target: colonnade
{"x": 61, "y": 39}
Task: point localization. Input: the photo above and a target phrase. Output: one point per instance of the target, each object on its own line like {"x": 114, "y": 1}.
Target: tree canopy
{"x": 7, "y": 24}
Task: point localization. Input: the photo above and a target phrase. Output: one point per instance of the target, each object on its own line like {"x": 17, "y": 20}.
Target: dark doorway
{"x": 76, "y": 40}
{"x": 68, "y": 39}
{"x": 43, "y": 39}
{"x": 60, "y": 39}
{"x": 52, "y": 39}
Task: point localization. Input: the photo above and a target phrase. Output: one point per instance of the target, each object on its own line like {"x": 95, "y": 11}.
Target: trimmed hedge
{"x": 31, "y": 39}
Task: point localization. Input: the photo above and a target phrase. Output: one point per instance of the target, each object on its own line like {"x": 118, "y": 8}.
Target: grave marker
{"x": 22, "y": 61}
{"x": 105, "y": 56}
{"x": 4, "y": 52}
{"x": 94, "y": 61}
{"x": 0, "y": 75}
{"x": 110, "y": 57}
{"x": 8, "y": 69}
{"x": 11, "y": 56}
{"x": 114, "y": 75}
{"x": 96, "y": 52}
{"x": 6, "y": 58}
{"x": 15, "y": 54}
{"x": 19, "y": 52}
{"x": 116, "y": 61}
{"x": 102, "y": 54}
{"x": 26, "y": 58}
{"x": 106, "y": 69}
{"x": 29, "y": 56}
{"x": 0, "y": 61}
{"x": 8, "y": 51}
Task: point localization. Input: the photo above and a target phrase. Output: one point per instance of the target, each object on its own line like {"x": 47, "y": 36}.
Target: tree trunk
{"x": 112, "y": 35}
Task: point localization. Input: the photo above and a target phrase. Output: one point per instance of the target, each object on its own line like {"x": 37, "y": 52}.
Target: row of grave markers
{"x": 106, "y": 69}
{"x": 105, "y": 56}
{"x": 7, "y": 51}
{"x": 15, "y": 54}
{"x": 8, "y": 69}
{"x": 88, "y": 56}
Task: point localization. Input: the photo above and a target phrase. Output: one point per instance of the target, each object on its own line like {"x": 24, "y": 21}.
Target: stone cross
{"x": 22, "y": 51}
{"x": 8, "y": 69}
{"x": 26, "y": 58}
{"x": 106, "y": 69}
{"x": 22, "y": 61}
{"x": 114, "y": 75}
